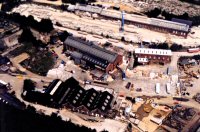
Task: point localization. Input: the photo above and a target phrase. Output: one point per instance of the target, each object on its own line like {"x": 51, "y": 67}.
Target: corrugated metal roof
{"x": 153, "y": 51}
{"x": 111, "y": 13}
{"x": 88, "y": 8}
{"x": 75, "y": 54}
{"x": 169, "y": 24}
{"x": 90, "y": 48}
{"x": 177, "y": 25}
{"x": 95, "y": 61}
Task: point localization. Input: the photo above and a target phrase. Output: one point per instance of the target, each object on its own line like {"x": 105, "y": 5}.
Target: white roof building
{"x": 153, "y": 51}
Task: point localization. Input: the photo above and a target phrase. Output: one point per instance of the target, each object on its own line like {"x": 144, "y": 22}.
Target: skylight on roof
{"x": 80, "y": 91}
{"x": 103, "y": 107}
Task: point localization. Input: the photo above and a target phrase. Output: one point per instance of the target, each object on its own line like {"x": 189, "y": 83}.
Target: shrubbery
{"x": 176, "y": 47}
{"x": 45, "y": 25}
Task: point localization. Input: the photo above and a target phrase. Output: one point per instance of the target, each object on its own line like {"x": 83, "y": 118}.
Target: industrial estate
{"x": 103, "y": 65}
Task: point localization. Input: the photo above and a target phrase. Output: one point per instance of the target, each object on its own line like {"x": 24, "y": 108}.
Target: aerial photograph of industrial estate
{"x": 99, "y": 65}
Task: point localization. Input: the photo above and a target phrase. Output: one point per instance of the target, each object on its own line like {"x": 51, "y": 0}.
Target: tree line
{"x": 45, "y": 25}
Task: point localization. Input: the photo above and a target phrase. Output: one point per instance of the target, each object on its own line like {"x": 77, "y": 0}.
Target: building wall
{"x": 155, "y": 58}
{"x": 110, "y": 67}
{"x": 160, "y": 29}
{"x": 113, "y": 65}
{"x": 118, "y": 61}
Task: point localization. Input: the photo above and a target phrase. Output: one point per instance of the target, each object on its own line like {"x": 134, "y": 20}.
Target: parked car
{"x": 88, "y": 82}
{"x": 128, "y": 85}
{"x": 139, "y": 89}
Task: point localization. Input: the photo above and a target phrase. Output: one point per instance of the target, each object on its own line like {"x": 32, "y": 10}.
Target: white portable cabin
{"x": 157, "y": 88}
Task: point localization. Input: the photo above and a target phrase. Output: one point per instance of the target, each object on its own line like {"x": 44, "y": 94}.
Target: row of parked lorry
{"x": 168, "y": 88}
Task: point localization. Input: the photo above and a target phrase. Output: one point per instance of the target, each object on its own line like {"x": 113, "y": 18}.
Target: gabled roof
{"x": 75, "y": 54}
{"x": 90, "y": 48}
{"x": 169, "y": 24}
{"x": 70, "y": 92}
{"x": 89, "y": 101}
{"x": 104, "y": 101}
{"x": 95, "y": 61}
{"x": 77, "y": 96}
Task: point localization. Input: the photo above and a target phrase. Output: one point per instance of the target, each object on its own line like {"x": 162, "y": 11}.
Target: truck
{"x": 123, "y": 75}
{"x": 157, "y": 88}
{"x": 168, "y": 88}
{"x": 193, "y": 50}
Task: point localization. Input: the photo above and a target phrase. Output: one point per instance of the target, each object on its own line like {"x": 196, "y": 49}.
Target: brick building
{"x": 145, "y": 55}
{"x": 90, "y": 55}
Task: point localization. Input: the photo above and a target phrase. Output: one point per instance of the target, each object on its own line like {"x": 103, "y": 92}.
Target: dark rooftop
{"x": 4, "y": 60}
{"x": 182, "y": 21}
{"x": 71, "y": 93}
{"x": 90, "y": 48}
{"x": 89, "y": 101}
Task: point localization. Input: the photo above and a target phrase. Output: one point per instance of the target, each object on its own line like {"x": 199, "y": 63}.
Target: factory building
{"x": 71, "y": 95}
{"x": 145, "y": 55}
{"x": 90, "y": 55}
{"x": 178, "y": 28}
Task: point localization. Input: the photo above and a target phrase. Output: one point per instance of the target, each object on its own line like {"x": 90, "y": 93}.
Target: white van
{"x": 157, "y": 88}
{"x": 4, "y": 83}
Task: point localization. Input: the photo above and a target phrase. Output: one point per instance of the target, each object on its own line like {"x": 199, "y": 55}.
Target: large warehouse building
{"x": 91, "y": 55}
{"x": 145, "y": 55}
{"x": 71, "y": 95}
{"x": 173, "y": 27}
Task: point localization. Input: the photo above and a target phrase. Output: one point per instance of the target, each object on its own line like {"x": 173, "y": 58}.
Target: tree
{"x": 159, "y": 46}
{"x": 176, "y": 47}
{"x": 46, "y": 25}
{"x": 62, "y": 36}
{"x": 9, "y": 4}
{"x": 26, "y": 36}
{"x": 163, "y": 46}
{"x": 154, "y": 13}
